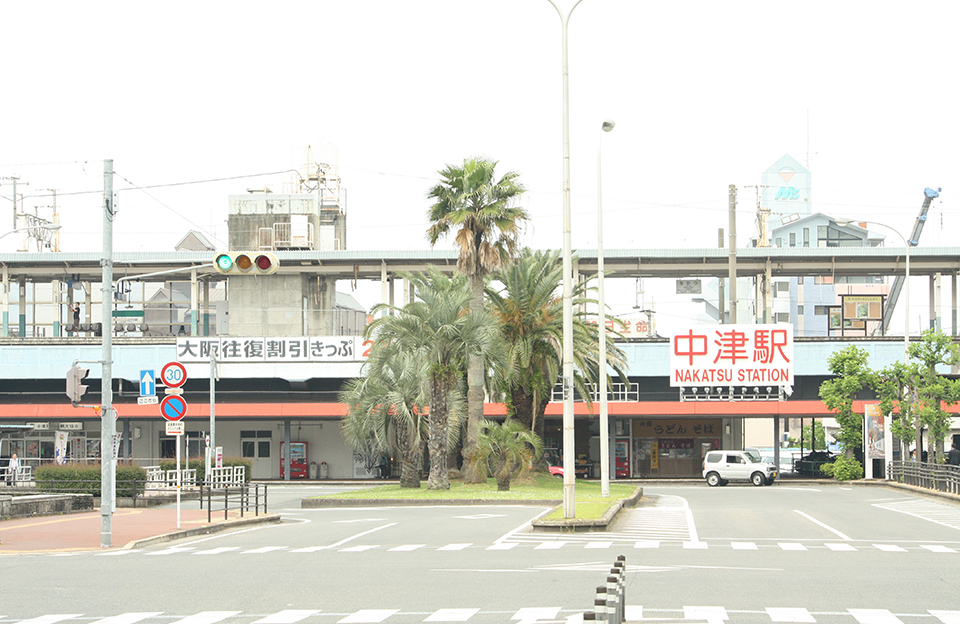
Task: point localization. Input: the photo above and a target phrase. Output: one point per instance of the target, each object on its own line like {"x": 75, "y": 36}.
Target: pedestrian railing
{"x": 610, "y": 604}
{"x": 23, "y": 476}
{"x": 939, "y": 477}
{"x": 244, "y": 497}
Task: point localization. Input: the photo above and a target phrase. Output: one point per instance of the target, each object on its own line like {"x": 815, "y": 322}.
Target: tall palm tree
{"x": 481, "y": 209}
{"x": 530, "y": 311}
{"x": 437, "y": 329}
{"x": 386, "y": 408}
{"x": 511, "y": 448}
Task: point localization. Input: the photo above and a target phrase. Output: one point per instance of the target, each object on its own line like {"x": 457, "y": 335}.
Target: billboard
{"x": 728, "y": 355}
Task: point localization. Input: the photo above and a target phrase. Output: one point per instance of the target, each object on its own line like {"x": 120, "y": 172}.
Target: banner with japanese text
{"x": 270, "y": 349}
{"x": 726, "y": 355}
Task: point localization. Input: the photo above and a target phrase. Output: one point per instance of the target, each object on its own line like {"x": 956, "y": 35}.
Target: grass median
{"x": 588, "y": 498}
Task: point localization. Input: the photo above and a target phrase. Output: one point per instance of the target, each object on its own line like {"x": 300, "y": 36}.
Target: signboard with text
{"x": 741, "y": 355}
{"x": 273, "y": 349}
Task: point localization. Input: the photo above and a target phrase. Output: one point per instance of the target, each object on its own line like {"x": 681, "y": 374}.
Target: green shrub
{"x": 199, "y": 466}
{"x": 86, "y": 479}
{"x": 843, "y": 469}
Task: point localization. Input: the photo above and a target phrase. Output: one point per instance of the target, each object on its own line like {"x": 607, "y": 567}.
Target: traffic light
{"x": 75, "y": 388}
{"x": 246, "y": 263}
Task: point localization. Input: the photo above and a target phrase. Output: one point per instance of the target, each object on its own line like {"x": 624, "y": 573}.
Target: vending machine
{"x": 298, "y": 460}
{"x": 622, "y": 454}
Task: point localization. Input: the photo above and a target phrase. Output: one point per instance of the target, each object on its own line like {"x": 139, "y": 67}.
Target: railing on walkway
{"x": 610, "y": 604}
{"x": 24, "y": 476}
{"x": 243, "y": 497}
{"x": 939, "y": 477}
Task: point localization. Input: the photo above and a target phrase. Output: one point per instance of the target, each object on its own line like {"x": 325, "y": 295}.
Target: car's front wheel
{"x": 713, "y": 479}
{"x": 758, "y": 479}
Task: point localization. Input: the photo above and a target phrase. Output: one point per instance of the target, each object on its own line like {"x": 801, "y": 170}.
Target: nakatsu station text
{"x": 732, "y": 354}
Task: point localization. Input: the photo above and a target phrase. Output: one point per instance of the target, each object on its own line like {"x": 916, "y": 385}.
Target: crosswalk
{"x": 529, "y": 615}
{"x": 566, "y": 542}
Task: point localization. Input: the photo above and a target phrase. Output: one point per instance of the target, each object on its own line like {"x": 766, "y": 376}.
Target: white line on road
{"x": 451, "y": 615}
{"x": 817, "y": 522}
{"x": 128, "y": 618}
{"x": 368, "y": 616}
{"x": 789, "y": 614}
{"x": 350, "y": 539}
{"x": 289, "y": 616}
{"x": 874, "y": 616}
{"x": 207, "y": 617}
{"x": 52, "y": 618}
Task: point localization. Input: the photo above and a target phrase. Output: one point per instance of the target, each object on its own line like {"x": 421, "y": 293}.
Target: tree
{"x": 933, "y": 390}
{"x": 849, "y": 365}
{"x": 481, "y": 209}
{"x": 815, "y": 439}
{"x": 386, "y": 408}
{"x": 511, "y": 447}
{"x": 530, "y": 313}
{"x": 437, "y": 329}
{"x": 895, "y": 387}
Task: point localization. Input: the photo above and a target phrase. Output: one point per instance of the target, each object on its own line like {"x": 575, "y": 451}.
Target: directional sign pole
{"x": 178, "y": 482}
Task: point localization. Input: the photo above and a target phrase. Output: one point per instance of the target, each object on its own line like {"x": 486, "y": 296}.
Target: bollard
{"x": 600, "y": 604}
{"x": 622, "y": 593}
{"x": 613, "y": 605}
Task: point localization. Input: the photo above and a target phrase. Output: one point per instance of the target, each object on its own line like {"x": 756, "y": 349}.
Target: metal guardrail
{"x": 939, "y": 477}
{"x": 234, "y": 497}
{"x": 610, "y": 605}
{"x": 23, "y": 477}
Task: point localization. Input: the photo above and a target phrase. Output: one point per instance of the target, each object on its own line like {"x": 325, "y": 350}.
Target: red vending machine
{"x": 298, "y": 460}
{"x": 622, "y": 454}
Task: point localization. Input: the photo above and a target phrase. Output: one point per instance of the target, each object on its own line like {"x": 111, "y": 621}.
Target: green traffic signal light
{"x": 224, "y": 262}
{"x": 246, "y": 263}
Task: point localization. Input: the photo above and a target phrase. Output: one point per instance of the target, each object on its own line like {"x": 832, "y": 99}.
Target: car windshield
{"x": 754, "y": 456}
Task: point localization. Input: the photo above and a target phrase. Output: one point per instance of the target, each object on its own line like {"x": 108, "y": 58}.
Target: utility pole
{"x": 14, "y": 179}
{"x": 732, "y": 200}
{"x": 108, "y": 423}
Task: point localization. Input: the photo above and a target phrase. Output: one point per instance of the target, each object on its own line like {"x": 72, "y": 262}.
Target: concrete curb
{"x": 594, "y": 524}
{"x": 206, "y": 529}
{"x": 313, "y": 503}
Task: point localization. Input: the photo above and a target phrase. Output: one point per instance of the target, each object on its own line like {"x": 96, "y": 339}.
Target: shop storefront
{"x": 672, "y": 448}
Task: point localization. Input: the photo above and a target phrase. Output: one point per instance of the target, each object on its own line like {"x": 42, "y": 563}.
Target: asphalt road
{"x": 850, "y": 555}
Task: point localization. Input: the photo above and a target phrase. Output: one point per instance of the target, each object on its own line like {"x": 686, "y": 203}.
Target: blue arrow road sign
{"x": 148, "y": 383}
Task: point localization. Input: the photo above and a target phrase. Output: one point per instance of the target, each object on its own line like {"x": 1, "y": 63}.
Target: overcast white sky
{"x": 704, "y": 94}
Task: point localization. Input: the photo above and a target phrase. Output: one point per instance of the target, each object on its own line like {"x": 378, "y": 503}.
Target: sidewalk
{"x": 129, "y": 528}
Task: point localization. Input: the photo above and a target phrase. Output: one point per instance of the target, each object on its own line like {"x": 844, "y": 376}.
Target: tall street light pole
{"x": 906, "y": 325}
{"x": 607, "y": 126}
{"x": 569, "y": 465}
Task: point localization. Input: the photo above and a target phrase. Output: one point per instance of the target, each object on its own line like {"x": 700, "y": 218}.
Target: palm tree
{"x": 481, "y": 209}
{"x": 386, "y": 408}
{"x": 530, "y": 313}
{"x": 511, "y": 446}
{"x": 438, "y": 330}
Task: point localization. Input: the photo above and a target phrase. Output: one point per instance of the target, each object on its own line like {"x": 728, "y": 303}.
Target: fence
{"x": 23, "y": 477}
{"x": 234, "y": 497}
{"x": 610, "y": 605}
{"x": 939, "y": 477}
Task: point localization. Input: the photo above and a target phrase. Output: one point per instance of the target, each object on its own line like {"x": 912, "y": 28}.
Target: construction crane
{"x": 928, "y": 196}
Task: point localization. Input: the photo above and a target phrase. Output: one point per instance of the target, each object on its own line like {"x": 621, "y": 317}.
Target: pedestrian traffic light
{"x": 246, "y": 263}
{"x": 75, "y": 388}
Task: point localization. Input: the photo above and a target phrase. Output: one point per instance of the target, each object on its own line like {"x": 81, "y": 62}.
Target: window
{"x": 783, "y": 317}
{"x": 820, "y": 310}
{"x": 793, "y": 239}
{"x": 806, "y": 237}
{"x": 832, "y": 237}
{"x": 255, "y": 443}
{"x": 800, "y": 310}
{"x": 778, "y": 242}
{"x": 822, "y": 279}
{"x": 780, "y": 288}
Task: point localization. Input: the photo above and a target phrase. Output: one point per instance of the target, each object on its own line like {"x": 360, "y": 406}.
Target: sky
{"x": 704, "y": 94}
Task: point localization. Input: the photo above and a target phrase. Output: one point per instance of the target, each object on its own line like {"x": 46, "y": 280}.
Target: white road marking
{"x": 207, "y": 617}
{"x": 406, "y": 547}
{"x": 789, "y": 614}
{"x": 52, "y": 618}
{"x": 947, "y": 617}
{"x": 937, "y": 548}
{"x": 128, "y": 618}
{"x": 817, "y": 522}
{"x": 289, "y": 616}
{"x": 791, "y": 546}
{"x": 874, "y": 616}
{"x": 451, "y": 615}
{"x": 888, "y": 548}
{"x": 368, "y": 616}
{"x": 532, "y": 614}
{"x": 743, "y": 545}
{"x": 838, "y": 546}
{"x": 454, "y": 546}
{"x": 265, "y": 549}
{"x": 710, "y": 614}
{"x": 350, "y": 539}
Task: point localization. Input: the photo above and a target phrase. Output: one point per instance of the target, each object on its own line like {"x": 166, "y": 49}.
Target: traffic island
{"x": 573, "y": 525}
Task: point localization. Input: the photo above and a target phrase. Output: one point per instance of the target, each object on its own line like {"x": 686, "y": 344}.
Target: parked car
{"x": 555, "y": 464}
{"x": 721, "y": 467}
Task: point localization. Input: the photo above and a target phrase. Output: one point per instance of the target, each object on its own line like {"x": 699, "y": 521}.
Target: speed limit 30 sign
{"x": 173, "y": 374}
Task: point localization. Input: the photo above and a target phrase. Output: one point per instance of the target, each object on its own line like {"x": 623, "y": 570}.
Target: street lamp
{"x": 607, "y": 126}
{"x": 568, "y": 430}
{"x": 50, "y": 227}
{"x": 888, "y": 447}
{"x": 906, "y": 298}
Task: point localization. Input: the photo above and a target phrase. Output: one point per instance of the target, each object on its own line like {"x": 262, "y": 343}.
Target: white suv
{"x": 720, "y": 467}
